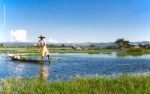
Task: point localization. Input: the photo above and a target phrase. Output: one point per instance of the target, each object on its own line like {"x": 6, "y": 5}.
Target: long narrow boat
{"x": 23, "y": 59}
{"x": 27, "y": 60}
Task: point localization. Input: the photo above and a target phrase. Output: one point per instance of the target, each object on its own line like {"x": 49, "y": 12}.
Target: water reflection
{"x": 44, "y": 71}
{"x": 71, "y": 65}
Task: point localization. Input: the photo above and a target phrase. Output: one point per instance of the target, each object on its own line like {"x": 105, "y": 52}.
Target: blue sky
{"x": 76, "y": 20}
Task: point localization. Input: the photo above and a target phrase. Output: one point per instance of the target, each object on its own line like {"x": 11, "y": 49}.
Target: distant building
{"x": 76, "y": 48}
{"x": 131, "y": 45}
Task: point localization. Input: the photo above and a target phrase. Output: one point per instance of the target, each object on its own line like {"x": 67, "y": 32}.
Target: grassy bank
{"x": 35, "y": 52}
{"x": 125, "y": 84}
{"x": 134, "y": 52}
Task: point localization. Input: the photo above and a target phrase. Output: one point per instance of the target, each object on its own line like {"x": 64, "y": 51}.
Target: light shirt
{"x": 42, "y": 43}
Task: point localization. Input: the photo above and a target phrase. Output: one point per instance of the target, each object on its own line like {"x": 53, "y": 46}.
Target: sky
{"x": 74, "y": 20}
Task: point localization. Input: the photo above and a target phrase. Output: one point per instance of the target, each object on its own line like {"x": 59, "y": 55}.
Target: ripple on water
{"x": 71, "y": 65}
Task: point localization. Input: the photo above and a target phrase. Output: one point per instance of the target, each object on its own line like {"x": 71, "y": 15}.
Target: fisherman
{"x": 43, "y": 48}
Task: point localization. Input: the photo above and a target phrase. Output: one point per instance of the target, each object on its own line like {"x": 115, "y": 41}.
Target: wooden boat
{"x": 24, "y": 59}
{"x": 27, "y": 60}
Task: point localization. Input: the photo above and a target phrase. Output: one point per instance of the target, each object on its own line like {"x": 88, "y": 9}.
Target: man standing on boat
{"x": 43, "y": 48}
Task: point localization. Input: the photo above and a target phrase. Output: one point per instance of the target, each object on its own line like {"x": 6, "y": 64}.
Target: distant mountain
{"x": 143, "y": 42}
{"x": 16, "y": 43}
{"x": 68, "y": 44}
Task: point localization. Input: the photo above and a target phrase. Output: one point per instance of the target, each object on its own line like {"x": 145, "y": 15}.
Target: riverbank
{"x": 35, "y": 52}
{"x": 133, "y": 52}
{"x": 125, "y": 84}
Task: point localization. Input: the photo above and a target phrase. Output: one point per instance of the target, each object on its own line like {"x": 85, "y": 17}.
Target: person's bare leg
{"x": 49, "y": 59}
{"x": 41, "y": 61}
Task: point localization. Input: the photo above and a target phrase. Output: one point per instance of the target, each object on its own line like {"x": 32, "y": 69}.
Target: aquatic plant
{"x": 134, "y": 52}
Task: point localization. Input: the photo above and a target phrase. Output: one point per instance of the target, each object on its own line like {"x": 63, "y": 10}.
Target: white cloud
{"x": 52, "y": 41}
{"x": 19, "y": 35}
{"x": 69, "y": 41}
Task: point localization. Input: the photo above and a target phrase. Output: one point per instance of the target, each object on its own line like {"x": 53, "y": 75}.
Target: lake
{"x": 66, "y": 66}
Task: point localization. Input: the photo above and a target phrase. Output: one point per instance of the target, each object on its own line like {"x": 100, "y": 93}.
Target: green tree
{"x": 122, "y": 44}
{"x": 63, "y": 45}
{"x": 92, "y": 45}
{"x": 1, "y": 45}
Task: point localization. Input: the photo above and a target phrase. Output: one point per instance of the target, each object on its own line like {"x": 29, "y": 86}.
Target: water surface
{"x": 66, "y": 66}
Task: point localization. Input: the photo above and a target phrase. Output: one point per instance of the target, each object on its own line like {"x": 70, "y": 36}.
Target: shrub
{"x": 135, "y": 50}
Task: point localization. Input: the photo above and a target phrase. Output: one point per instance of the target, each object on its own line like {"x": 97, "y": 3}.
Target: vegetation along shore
{"x": 121, "y": 46}
{"x": 124, "y": 84}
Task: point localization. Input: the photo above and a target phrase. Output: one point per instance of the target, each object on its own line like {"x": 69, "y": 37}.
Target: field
{"x": 35, "y": 51}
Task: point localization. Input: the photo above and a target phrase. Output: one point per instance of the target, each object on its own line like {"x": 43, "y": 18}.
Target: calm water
{"x": 66, "y": 66}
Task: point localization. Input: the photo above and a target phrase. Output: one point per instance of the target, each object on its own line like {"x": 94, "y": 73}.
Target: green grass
{"x": 130, "y": 54}
{"x": 125, "y": 84}
{"x": 35, "y": 52}
{"x": 109, "y": 53}
{"x": 32, "y": 54}
{"x": 134, "y": 52}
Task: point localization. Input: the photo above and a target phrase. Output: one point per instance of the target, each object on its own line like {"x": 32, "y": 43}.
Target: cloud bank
{"x": 18, "y": 35}
{"x": 52, "y": 41}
